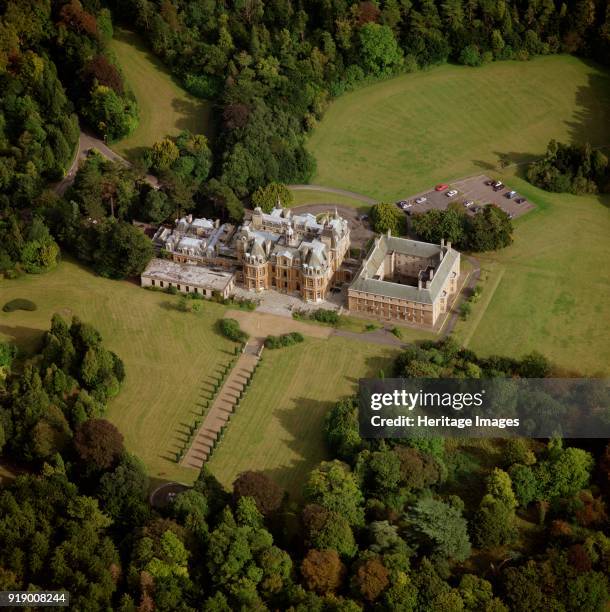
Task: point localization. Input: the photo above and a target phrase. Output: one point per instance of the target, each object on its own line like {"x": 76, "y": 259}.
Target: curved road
{"x": 87, "y": 141}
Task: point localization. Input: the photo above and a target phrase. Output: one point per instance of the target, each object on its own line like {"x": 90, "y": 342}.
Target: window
{"x": 161, "y": 283}
{"x": 152, "y": 282}
{"x": 178, "y": 287}
{"x": 187, "y": 289}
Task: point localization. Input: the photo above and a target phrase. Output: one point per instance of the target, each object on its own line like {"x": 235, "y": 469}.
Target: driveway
{"x": 87, "y": 141}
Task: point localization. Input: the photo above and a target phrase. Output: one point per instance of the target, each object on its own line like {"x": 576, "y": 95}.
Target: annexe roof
{"x": 389, "y": 244}
{"x": 194, "y": 276}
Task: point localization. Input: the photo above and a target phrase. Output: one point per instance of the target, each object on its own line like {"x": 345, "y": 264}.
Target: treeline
{"x": 273, "y": 67}
{"x": 384, "y": 525}
{"x": 41, "y": 45}
{"x": 576, "y": 169}
{"x": 68, "y": 383}
{"x": 487, "y": 230}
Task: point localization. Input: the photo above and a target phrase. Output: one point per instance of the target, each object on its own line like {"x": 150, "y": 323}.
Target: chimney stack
{"x": 442, "y": 242}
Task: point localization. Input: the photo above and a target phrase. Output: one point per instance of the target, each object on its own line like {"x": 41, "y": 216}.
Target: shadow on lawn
{"x": 27, "y": 339}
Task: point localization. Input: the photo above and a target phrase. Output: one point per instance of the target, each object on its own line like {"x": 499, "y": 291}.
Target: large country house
{"x": 277, "y": 250}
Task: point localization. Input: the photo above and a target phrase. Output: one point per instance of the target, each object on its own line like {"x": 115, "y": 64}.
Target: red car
{"x": 441, "y": 187}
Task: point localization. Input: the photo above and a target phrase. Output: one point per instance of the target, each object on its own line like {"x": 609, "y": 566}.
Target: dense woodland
{"x": 383, "y": 525}
{"x": 270, "y": 69}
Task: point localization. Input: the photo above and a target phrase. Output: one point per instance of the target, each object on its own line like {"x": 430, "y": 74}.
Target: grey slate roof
{"x": 386, "y": 245}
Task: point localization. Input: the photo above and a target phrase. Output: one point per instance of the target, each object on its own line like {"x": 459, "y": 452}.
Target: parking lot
{"x": 475, "y": 189}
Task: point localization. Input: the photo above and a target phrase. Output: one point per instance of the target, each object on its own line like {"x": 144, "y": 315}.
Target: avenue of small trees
{"x": 383, "y": 525}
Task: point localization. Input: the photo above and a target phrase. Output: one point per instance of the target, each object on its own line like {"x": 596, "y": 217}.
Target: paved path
{"x": 383, "y": 337}
{"x": 222, "y": 407}
{"x": 464, "y": 294}
{"x": 342, "y": 192}
{"x": 87, "y": 141}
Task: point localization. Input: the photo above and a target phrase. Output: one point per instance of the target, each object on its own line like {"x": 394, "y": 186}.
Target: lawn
{"x": 401, "y": 136}
{"x": 165, "y": 108}
{"x": 278, "y": 428}
{"x": 311, "y": 196}
{"x": 169, "y": 355}
{"x": 550, "y": 290}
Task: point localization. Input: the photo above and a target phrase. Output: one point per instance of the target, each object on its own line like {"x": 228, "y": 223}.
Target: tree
{"x": 489, "y": 230}
{"x": 124, "y": 250}
{"x": 266, "y": 493}
{"x": 333, "y": 486}
{"x": 124, "y": 493}
{"x": 99, "y": 443}
{"x": 379, "y": 51}
{"x": 341, "y": 429}
{"x": 385, "y": 216}
{"x": 325, "y": 529}
{"x": 470, "y": 56}
{"x": 164, "y": 153}
{"x": 112, "y": 116}
{"x": 439, "y": 528}
{"x": 322, "y": 571}
{"x": 268, "y": 197}
{"x": 371, "y": 579}
{"x": 418, "y": 469}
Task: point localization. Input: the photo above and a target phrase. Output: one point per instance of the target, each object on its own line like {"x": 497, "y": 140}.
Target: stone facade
{"x": 289, "y": 253}
{"x": 293, "y": 253}
{"x": 164, "y": 274}
{"x": 406, "y": 280}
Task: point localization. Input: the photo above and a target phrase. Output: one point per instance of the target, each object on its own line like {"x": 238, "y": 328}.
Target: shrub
{"x": 324, "y": 315}
{"x": 397, "y": 332}
{"x": 230, "y": 329}
{"x": 19, "y": 304}
{"x": 275, "y": 342}
{"x": 465, "y": 310}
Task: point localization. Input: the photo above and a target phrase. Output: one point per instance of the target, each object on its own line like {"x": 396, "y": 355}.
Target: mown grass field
{"x": 165, "y": 108}
{"x": 311, "y": 196}
{"x": 550, "y": 290}
{"x": 401, "y": 136}
{"x": 169, "y": 355}
{"x": 279, "y": 425}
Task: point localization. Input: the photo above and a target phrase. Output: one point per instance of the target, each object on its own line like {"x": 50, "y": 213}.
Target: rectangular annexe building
{"x": 406, "y": 280}
{"x": 164, "y": 273}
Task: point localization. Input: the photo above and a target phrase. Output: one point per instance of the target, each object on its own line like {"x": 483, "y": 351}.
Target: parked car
{"x": 498, "y": 186}
{"x": 451, "y": 193}
{"x": 489, "y": 183}
{"x": 441, "y": 187}
{"x": 364, "y": 217}
{"x": 468, "y": 203}
{"x": 510, "y": 195}
{"x": 421, "y": 200}
{"x": 520, "y": 200}
{"x": 510, "y": 216}
{"x": 401, "y": 203}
